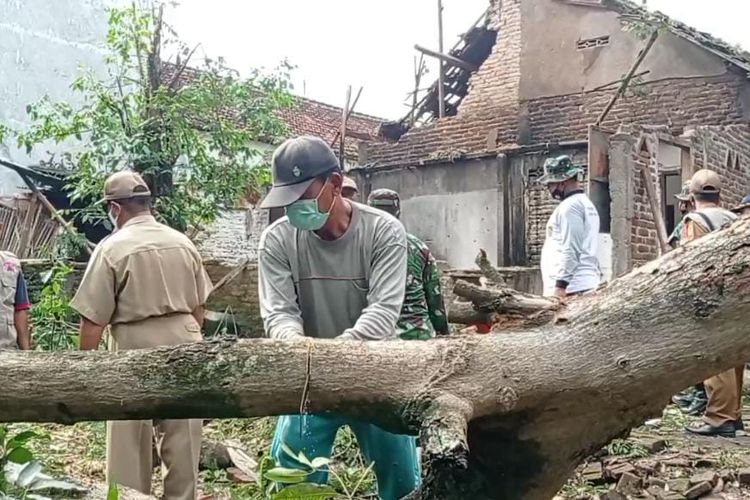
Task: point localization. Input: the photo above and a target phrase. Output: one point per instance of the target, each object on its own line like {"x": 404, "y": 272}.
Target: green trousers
{"x": 395, "y": 459}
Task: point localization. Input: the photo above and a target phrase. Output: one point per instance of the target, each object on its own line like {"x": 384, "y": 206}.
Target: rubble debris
{"x": 653, "y": 445}
{"x": 613, "y": 495}
{"x": 655, "y": 481}
{"x": 709, "y": 477}
{"x": 743, "y": 476}
{"x": 629, "y": 484}
{"x": 680, "y": 485}
{"x": 614, "y": 471}
{"x": 593, "y": 473}
{"x": 699, "y": 490}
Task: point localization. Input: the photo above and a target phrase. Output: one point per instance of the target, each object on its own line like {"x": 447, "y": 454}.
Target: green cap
{"x": 685, "y": 193}
{"x": 559, "y": 169}
{"x": 385, "y": 199}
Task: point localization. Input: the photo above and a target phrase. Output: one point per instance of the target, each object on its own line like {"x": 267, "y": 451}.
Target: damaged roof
{"x": 633, "y": 12}
{"x": 475, "y": 46}
{"x": 310, "y": 117}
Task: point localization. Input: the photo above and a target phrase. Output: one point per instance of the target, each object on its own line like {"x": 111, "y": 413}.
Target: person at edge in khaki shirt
{"x": 148, "y": 283}
{"x": 723, "y": 413}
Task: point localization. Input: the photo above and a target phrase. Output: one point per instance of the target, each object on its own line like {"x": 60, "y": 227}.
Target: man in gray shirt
{"x": 332, "y": 269}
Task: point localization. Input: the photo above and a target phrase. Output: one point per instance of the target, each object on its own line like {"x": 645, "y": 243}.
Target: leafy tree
{"x": 193, "y": 139}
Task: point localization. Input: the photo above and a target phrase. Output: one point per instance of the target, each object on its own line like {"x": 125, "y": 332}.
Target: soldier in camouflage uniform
{"x": 423, "y": 313}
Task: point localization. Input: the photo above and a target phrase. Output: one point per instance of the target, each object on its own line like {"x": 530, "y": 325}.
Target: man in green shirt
{"x": 423, "y": 313}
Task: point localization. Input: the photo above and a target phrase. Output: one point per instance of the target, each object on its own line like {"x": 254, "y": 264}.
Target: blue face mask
{"x": 306, "y": 215}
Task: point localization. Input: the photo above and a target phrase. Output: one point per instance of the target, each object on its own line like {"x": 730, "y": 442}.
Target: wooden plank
{"x": 598, "y": 180}
{"x": 348, "y": 114}
{"x": 441, "y": 90}
{"x": 449, "y": 59}
{"x": 53, "y": 211}
{"x": 344, "y": 118}
{"x": 661, "y": 231}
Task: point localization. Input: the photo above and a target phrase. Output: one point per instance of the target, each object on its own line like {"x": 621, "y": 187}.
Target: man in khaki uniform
{"x": 349, "y": 189}
{"x": 723, "y": 414}
{"x": 147, "y": 281}
{"x": 14, "y": 305}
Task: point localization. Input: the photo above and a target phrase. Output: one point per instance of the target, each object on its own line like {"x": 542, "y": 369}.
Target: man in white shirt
{"x": 569, "y": 256}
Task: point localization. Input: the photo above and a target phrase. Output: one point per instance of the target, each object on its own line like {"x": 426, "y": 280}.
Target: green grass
{"x": 627, "y": 448}
{"x": 577, "y": 487}
{"x": 673, "y": 419}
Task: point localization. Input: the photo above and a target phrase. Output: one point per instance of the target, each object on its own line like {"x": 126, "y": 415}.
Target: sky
{"x": 370, "y": 43}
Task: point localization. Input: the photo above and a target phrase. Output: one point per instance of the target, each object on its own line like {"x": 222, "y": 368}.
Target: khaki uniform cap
{"x": 705, "y": 182}
{"x": 123, "y": 185}
{"x": 349, "y": 183}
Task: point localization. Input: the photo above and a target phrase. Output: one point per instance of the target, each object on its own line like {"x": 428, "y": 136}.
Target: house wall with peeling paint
{"x": 43, "y": 43}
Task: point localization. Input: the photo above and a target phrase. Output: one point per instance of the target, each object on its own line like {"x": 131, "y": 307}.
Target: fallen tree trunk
{"x": 500, "y": 416}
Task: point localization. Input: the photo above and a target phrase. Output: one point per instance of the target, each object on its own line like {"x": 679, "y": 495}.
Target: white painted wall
{"x": 43, "y": 43}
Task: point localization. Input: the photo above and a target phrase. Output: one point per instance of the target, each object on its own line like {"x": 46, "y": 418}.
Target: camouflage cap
{"x": 559, "y": 169}
{"x": 385, "y": 199}
{"x": 685, "y": 193}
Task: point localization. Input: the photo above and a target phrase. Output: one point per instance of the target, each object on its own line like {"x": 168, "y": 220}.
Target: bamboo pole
{"x": 629, "y": 76}
{"x": 441, "y": 90}
{"x": 344, "y": 118}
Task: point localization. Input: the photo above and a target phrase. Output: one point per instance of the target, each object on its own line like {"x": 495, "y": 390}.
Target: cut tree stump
{"x": 499, "y": 416}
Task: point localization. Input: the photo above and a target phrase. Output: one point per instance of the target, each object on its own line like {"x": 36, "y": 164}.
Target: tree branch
{"x": 539, "y": 399}
{"x": 178, "y": 73}
{"x": 488, "y": 270}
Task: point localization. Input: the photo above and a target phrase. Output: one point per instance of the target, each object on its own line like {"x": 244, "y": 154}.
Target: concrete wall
{"x": 550, "y": 48}
{"x": 42, "y": 45}
{"x": 459, "y": 208}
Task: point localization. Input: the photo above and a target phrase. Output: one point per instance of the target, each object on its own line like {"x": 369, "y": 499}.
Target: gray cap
{"x": 295, "y": 165}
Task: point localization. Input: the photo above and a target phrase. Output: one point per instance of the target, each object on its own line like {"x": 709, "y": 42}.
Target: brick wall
{"x": 488, "y": 115}
{"x": 644, "y": 237}
{"x": 677, "y": 103}
{"x": 725, "y": 149}
{"x": 496, "y": 83}
{"x": 238, "y": 299}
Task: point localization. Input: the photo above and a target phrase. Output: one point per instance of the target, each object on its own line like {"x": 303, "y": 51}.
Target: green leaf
{"x": 112, "y": 492}
{"x": 19, "y": 455}
{"x": 305, "y": 491}
{"x": 300, "y": 457}
{"x": 319, "y": 462}
{"x": 286, "y": 475}
{"x": 21, "y": 438}
{"x": 3, "y": 433}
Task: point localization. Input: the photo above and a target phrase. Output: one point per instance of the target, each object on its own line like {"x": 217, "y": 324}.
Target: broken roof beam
{"x": 453, "y": 61}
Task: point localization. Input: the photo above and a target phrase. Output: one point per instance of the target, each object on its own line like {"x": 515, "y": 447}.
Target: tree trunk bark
{"x": 500, "y": 416}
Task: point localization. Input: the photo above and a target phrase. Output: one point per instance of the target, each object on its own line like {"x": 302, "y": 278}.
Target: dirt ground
{"x": 658, "y": 461}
